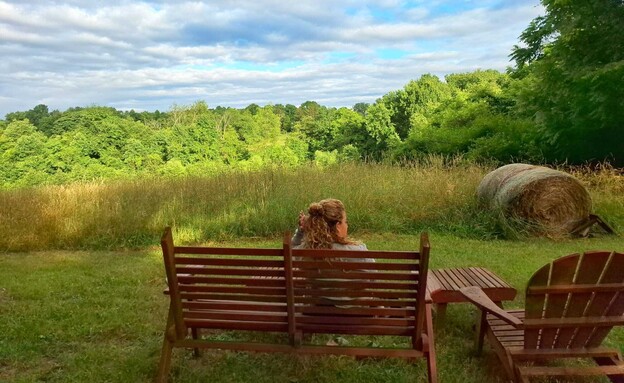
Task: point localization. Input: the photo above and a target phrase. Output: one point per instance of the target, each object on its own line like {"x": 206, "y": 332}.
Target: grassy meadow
{"x": 81, "y": 274}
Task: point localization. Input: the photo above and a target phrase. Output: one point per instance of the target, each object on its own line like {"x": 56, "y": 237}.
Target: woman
{"x": 325, "y": 227}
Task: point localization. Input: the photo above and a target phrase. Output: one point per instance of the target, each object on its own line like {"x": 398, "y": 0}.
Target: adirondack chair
{"x": 571, "y": 305}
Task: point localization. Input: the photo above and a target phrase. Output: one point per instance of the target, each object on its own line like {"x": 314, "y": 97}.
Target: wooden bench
{"x": 297, "y": 292}
{"x": 444, "y": 286}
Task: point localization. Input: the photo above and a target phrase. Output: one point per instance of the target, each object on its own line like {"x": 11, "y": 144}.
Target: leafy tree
{"x": 232, "y": 149}
{"x": 173, "y": 168}
{"x": 287, "y": 115}
{"x": 139, "y": 154}
{"x": 475, "y": 116}
{"x": 99, "y": 142}
{"x": 350, "y": 127}
{"x": 81, "y": 118}
{"x": 39, "y": 116}
{"x": 187, "y": 115}
{"x": 247, "y": 127}
{"x": 155, "y": 119}
{"x": 325, "y": 158}
{"x": 349, "y": 153}
{"x": 489, "y": 86}
{"x": 252, "y": 108}
{"x": 22, "y": 153}
{"x": 296, "y": 143}
{"x": 381, "y": 129}
{"x": 361, "y": 108}
{"x": 419, "y": 97}
{"x": 313, "y": 120}
{"x": 572, "y": 65}
{"x": 268, "y": 123}
{"x": 192, "y": 143}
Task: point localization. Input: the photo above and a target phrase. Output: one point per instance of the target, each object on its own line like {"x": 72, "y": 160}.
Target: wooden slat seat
{"x": 297, "y": 292}
{"x": 571, "y": 305}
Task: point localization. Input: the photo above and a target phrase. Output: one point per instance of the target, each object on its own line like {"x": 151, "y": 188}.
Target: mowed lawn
{"x": 98, "y": 316}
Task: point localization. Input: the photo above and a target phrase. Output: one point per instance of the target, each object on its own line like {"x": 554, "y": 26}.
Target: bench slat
{"x": 353, "y": 292}
{"x": 355, "y": 320}
{"x": 355, "y": 330}
{"x": 356, "y": 301}
{"x": 239, "y": 316}
{"x": 281, "y": 291}
{"x": 233, "y": 271}
{"x": 390, "y": 255}
{"x": 234, "y": 306}
{"x": 226, "y": 251}
{"x": 307, "y": 283}
{"x": 338, "y": 274}
{"x": 232, "y": 297}
{"x": 354, "y": 310}
{"x": 277, "y": 264}
{"x": 206, "y": 283}
{"x": 236, "y": 325}
{"x": 341, "y": 265}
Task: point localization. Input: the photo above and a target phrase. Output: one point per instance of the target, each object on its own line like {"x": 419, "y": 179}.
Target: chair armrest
{"x": 478, "y": 297}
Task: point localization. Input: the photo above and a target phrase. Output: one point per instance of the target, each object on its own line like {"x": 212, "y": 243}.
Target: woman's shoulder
{"x": 340, "y": 246}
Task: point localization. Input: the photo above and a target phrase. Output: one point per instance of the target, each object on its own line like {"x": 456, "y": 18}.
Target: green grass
{"x": 74, "y": 310}
{"x": 98, "y": 316}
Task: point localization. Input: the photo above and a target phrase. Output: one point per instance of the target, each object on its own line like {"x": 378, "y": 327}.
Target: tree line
{"x": 563, "y": 101}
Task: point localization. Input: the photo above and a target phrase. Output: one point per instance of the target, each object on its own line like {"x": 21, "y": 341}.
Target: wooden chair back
{"x": 574, "y": 301}
{"x": 338, "y": 292}
{"x": 226, "y": 288}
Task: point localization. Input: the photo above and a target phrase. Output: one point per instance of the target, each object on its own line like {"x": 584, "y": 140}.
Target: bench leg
{"x": 432, "y": 370}
{"x": 196, "y": 335}
{"x": 165, "y": 354}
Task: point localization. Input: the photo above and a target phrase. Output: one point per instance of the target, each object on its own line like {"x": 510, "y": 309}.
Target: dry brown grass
{"x": 380, "y": 198}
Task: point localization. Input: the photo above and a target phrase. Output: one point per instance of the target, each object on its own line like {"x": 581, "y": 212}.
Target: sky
{"x": 152, "y": 55}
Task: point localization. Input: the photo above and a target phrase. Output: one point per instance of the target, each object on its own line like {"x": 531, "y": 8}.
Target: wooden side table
{"x": 443, "y": 287}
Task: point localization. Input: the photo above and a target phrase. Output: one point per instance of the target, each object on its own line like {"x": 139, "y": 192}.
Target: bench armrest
{"x": 478, "y": 297}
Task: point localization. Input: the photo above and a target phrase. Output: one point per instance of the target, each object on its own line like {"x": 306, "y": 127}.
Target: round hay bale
{"x": 536, "y": 200}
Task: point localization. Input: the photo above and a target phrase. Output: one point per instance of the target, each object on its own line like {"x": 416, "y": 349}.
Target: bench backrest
{"x": 574, "y": 301}
{"x": 297, "y": 291}
{"x": 226, "y": 288}
{"x": 340, "y": 292}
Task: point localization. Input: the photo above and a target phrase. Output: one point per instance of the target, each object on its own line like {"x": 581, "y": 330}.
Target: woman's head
{"x": 325, "y": 224}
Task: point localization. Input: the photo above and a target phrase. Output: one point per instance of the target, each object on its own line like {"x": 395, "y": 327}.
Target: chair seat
{"x": 508, "y": 336}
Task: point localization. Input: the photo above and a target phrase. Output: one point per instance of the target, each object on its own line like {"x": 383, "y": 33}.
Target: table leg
{"x": 480, "y": 330}
{"x": 440, "y": 315}
{"x": 481, "y": 326}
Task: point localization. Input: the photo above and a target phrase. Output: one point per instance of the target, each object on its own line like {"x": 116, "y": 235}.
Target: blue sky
{"x": 148, "y": 55}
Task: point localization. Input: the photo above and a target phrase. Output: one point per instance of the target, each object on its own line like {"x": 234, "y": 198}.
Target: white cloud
{"x": 150, "y": 55}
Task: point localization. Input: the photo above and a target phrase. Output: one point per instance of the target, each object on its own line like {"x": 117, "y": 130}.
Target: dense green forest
{"x": 563, "y": 101}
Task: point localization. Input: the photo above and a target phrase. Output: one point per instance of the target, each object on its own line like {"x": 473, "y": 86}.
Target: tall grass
{"x": 430, "y": 195}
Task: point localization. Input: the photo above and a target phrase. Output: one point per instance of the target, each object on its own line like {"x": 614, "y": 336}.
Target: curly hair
{"x": 320, "y": 224}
